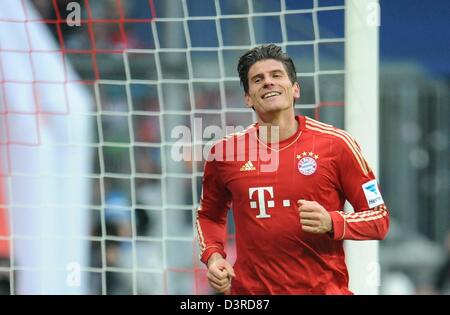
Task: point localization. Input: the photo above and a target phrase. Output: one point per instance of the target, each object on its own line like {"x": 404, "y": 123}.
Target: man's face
{"x": 269, "y": 87}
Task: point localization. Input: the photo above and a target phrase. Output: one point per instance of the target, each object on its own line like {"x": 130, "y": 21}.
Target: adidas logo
{"x": 248, "y": 167}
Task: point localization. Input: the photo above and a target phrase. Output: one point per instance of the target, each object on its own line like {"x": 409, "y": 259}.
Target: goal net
{"x": 95, "y": 99}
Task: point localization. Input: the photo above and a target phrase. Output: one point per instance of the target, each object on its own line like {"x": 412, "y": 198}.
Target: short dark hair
{"x": 263, "y": 52}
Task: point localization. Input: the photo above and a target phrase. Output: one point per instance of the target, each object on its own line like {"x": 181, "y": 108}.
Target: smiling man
{"x": 290, "y": 223}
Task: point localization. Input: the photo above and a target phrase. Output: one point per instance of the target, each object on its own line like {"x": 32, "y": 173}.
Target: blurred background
{"x": 148, "y": 66}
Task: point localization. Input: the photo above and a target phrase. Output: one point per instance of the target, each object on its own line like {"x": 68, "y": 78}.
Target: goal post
{"x": 362, "y": 121}
{"x": 45, "y": 160}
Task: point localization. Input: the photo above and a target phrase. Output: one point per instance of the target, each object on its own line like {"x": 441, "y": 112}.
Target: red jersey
{"x": 274, "y": 255}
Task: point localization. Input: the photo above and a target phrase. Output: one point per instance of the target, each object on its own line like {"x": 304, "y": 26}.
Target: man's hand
{"x": 219, "y": 273}
{"x": 313, "y": 217}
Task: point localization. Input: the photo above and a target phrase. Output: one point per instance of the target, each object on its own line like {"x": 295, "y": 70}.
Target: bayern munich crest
{"x": 307, "y": 165}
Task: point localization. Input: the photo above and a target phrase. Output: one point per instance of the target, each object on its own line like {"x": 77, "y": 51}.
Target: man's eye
{"x": 257, "y": 80}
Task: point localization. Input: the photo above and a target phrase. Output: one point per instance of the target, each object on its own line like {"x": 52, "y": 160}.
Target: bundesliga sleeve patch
{"x": 372, "y": 193}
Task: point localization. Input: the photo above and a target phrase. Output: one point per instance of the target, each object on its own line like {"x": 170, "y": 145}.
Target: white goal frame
{"x": 362, "y": 121}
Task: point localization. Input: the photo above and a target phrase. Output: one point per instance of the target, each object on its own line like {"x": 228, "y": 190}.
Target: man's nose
{"x": 268, "y": 81}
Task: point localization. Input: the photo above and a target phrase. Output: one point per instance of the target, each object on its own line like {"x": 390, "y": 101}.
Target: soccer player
{"x": 287, "y": 190}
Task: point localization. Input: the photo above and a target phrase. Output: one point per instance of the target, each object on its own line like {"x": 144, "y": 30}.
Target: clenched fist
{"x": 220, "y": 273}
{"x": 313, "y": 217}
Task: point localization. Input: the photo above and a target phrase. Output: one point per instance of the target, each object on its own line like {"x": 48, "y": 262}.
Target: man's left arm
{"x": 370, "y": 221}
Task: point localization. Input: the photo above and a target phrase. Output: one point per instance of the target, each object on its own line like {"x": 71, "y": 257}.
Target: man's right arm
{"x": 212, "y": 213}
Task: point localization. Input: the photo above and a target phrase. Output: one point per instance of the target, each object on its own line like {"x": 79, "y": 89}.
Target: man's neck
{"x": 277, "y": 128}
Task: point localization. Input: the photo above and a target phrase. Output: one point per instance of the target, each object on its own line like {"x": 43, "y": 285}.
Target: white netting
{"x": 151, "y": 67}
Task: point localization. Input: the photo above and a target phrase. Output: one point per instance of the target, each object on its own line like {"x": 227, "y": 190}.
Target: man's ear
{"x": 248, "y": 100}
{"x": 296, "y": 90}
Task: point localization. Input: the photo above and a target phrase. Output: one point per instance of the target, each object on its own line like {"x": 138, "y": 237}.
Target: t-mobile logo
{"x": 261, "y": 201}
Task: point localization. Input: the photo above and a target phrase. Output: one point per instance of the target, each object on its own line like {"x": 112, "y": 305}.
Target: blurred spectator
{"x": 442, "y": 278}
{"x": 118, "y": 253}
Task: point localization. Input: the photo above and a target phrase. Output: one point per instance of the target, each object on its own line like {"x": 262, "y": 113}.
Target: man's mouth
{"x": 270, "y": 94}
